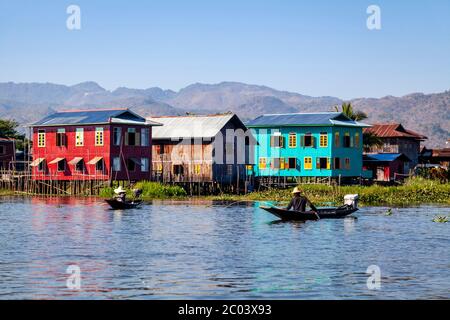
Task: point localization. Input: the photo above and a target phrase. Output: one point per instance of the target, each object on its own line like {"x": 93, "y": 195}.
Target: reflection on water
{"x": 212, "y": 250}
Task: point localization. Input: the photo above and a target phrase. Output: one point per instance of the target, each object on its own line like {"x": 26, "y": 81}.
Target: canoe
{"x": 323, "y": 213}
{"x": 119, "y": 205}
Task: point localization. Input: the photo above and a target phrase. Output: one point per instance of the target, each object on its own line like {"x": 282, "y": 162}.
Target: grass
{"x": 414, "y": 191}
{"x": 150, "y": 190}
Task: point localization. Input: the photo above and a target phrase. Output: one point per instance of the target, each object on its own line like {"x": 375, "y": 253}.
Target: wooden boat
{"x": 120, "y": 205}
{"x": 322, "y": 213}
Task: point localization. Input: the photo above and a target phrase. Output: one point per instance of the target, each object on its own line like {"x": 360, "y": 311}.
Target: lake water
{"x": 184, "y": 250}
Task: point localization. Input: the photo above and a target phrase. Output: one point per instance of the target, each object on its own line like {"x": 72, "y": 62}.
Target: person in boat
{"x": 121, "y": 194}
{"x": 298, "y": 202}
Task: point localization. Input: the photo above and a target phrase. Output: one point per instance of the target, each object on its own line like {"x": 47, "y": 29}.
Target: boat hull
{"x": 119, "y": 205}
{"x": 324, "y": 213}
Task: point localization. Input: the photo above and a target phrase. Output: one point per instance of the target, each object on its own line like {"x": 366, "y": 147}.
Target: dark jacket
{"x": 297, "y": 204}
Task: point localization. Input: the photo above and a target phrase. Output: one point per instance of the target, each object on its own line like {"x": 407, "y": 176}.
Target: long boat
{"x": 322, "y": 213}
{"x": 120, "y": 205}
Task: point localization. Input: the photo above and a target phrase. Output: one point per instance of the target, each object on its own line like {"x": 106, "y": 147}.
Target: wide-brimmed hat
{"x": 119, "y": 190}
{"x": 297, "y": 190}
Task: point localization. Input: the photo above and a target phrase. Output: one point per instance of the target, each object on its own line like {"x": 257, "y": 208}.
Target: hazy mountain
{"x": 426, "y": 113}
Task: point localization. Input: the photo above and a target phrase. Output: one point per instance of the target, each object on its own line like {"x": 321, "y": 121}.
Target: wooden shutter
{"x": 137, "y": 138}
{"x": 313, "y": 141}
{"x": 126, "y": 138}
{"x": 317, "y": 163}
{"x": 272, "y": 141}
{"x": 328, "y": 163}
{"x": 281, "y": 145}
{"x": 302, "y": 140}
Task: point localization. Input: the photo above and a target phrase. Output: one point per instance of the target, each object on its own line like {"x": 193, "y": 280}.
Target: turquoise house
{"x": 326, "y": 144}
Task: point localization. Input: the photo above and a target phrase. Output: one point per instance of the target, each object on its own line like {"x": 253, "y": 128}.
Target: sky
{"x": 317, "y": 48}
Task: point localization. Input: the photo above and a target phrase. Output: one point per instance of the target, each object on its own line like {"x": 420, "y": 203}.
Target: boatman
{"x": 120, "y": 194}
{"x": 298, "y": 202}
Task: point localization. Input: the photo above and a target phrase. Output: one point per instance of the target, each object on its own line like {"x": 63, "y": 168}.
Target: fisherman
{"x": 299, "y": 202}
{"x": 121, "y": 194}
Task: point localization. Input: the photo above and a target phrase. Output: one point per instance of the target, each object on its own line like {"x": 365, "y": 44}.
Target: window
{"x": 79, "y": 166}
{"x": 61, "y": 137}
{"x": 308, "y": 140}
{"x": 145, "y": 137}
{"x": 62, "y": 166}
{"x": 292, "y": 140}
{"x": 347, "y": 141}
{"x": 41, "y": 166}
{"x": 291, "y": 163}
{"x": 230, "y": 170}
{"x": 277, "y": 163}
{"x": 131, "y": 137}
{"x": 337, "y": 140}
{"x": 2, "y": 150}
{"x": 117, "y": 136}
{"x": 41, "y": 138}
{"x": 229, "y": 148}
{"x": 308, "y": 163}
{"x": 277, "y": 141}
{"x": 99, "y": 136}
{"x": 262, "y": 163}
{"x": 100, "y": 165}
{"x": 131, "y": 165}
{"x": 144, "y": 165}
{"x": 178, "y": 169}
{"x": 79, "y": 137}
{"x": 347, "y": 163}
{"x": 323, "y": 140}
{"x": 357, "y": 140}
{"x": 337, "y": 163}
{"x": 323, "y": 163}
{"x": 116, "y": 164}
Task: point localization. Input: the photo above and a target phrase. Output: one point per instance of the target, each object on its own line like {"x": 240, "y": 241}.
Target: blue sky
{"x": 311, "y": 47}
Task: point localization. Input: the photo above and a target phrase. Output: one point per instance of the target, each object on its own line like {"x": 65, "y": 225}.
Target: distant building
{"x": 7, "y": 153}
{"x": 212, "y": 148}
{"x": 113, "y": 144}
{"x": 326, "y": 144}
{"x": 397, "y": 140}
{"x": 436, "y": 156}
{"x": 386, "y": 166}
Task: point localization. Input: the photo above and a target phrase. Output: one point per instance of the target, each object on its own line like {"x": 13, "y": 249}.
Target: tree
{"x": 370, "y": 139}
{"x": 347, "y": 110}
{"x": 8, "y": 129}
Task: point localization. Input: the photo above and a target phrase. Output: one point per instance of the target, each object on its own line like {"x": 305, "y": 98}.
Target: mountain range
{"x": 428, "y": 114}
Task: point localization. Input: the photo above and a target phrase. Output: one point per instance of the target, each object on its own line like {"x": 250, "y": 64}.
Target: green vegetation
{"x": 8, "y": 129}
{"x": 414, "y": 191}
{"x": 440, "y": 219}
{"x": 150, "y": 190}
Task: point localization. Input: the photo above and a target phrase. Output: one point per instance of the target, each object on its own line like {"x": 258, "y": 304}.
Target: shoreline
{"x": 412, "y": 193}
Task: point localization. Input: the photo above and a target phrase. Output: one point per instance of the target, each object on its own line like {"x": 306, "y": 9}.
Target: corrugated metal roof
{"x": 304, "y": 119}
{"x": 91, "y": 117}
{"x": 385, "y": 157}
{"x": 393, "y": 130}
{"x": 189, "y": 126}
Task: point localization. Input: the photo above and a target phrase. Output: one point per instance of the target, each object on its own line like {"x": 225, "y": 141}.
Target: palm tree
{"x": 347, "y": 110}
{"x": 370, "y": 139}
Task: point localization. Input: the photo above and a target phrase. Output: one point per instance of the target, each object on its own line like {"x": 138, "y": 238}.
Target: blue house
{"x": 326, "y": 144}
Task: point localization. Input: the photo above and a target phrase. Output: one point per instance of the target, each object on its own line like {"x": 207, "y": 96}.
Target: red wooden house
{"x": 7, "y": 153}
{"x": 113, "y": 144}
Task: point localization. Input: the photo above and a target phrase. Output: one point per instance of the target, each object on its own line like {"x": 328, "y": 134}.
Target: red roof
{"x": 393, "y": 130}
